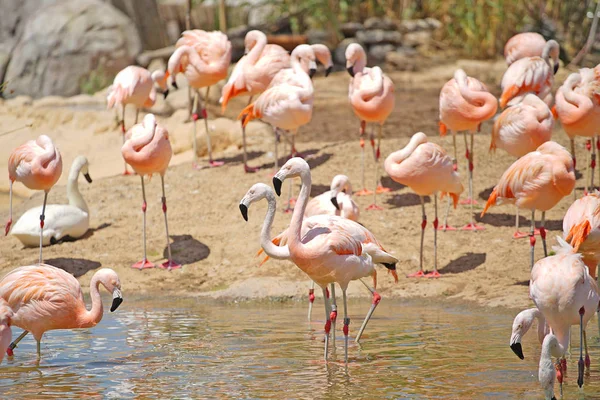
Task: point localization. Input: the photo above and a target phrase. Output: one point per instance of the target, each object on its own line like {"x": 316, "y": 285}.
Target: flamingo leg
{"x": 311, "y": 298}
{"x": 169, "y": 264}
{"x": 276, "y": 153}
{"x": 454, "y": 160}
{"x": 543, "y": 233}
{"x": 598, "y": 148}
{"x": 137, "y": 114}
{"x": 593, "y": 165}
{"x": 435, "y": 273}
{"x": 378, "y": 187}
{"x": 532, "y": 238}
{"x": 420, "y": 273}
{"x": 572, "y": 141}
{"x": 39, "y": 349}
{"x": 364, "y": 191}
{"x": 123, "y": 131}
{"x": 211, "y": 162}
{"x": 587, "y": 361}
{"x": 194, "y": 132}
{"x": 327, "y": 321}
{"x": 144, "y": 263}
{"x": 374, "y": 303}
{"x": 587, "y": 167}
{"x": 333, "y": 316}
{"x": 9, "y": 222}
{"x": 445, "y": 227}
{"x": 472, "y": 226}
{"x": 248, "y": 169}
{"x": 346, "y": 326}
{"x": 580, "y": 363}
{"x": 13, "y": 345}
{"x": 42, "y": 218}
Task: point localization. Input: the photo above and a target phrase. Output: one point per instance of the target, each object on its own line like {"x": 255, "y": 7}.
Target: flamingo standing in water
{"x": 565, "y": 293}
{"x": 578, "y": 109}
{"x": 38, "y": 165}
{"x": 136, "y": 86}
{"x": 531, "y": 75}
{"x": 203, "y": 57}
{"x": 371, "y": 94}
{"x": 44, "y": 298}
{"x": 148, "y": 151}
{"x": 465, "y": 103}
{"x": 521, "y": 129}
{"x": 253, "y": 73}
{"x": 329, "y": 252}
{"x": 536, "y": 181}
{"x": 427, "y": 169}
{"x": 521, "y": 325}
{"x": 6, "y": 315}
{"x": 521, "y": 45}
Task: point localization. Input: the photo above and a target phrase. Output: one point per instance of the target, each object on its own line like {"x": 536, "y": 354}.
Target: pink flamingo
{"x": 6, "y": 315}
{"x": 336, "y": 201}
{"x": 521, "y": 45}
{"x": 565, "y": 293}
{"x": 203, "y": 57}
{"x": 465, "y": 103}
{"x": 371, "y": 94}
{"x": 521, "y": 325}
{"x": 278, "y": 249}
{"x": 521, "y": 129}
{"x": 44, "y": 298}
{"x": 253, "y": 73}
{"x": 328, "y": 253}
{"x": 148, "y": 151}
{"x": 531, "y": 75}
{"x": 37, "y": 164}
{"x": 427, "y": 169}
{"x": 323, "y": 55}
{"x": 536, "y": 181}
{"x": 581, "y": 228}
{"x": 578, "y": 109}
{"x": 136, "y": 86}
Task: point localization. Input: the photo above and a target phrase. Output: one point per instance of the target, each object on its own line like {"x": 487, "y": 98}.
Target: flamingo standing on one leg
{"x": 536, "y": 181}
{"x": 371, "y": 94}
{"x": 521, "y": 129}
{"x": 6, "y": 315}
{"x": 44, "y": 298}
{"x": 578, "y": 109}
{"x": 253, "y": 73}
{"x": 203, "y": 57}
{"x": 531, "y": 75}
{"x": 136, "y": 86}
{"x": 427, "y": 169}
{"x": 327, "y": 253}
{"x": 565, "y": 293}
{"x": 277, "y": 247}
{"x": 38, "y": 165}
{"x": 148, "y": 151}
{"x": 521, "y": 45}
{"x": 465, "y": 103}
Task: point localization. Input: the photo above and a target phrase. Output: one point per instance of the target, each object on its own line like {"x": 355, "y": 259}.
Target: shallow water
{"x": 187, "y": 348}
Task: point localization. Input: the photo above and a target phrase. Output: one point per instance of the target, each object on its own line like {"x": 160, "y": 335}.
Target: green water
{"x": 167, "y": 348}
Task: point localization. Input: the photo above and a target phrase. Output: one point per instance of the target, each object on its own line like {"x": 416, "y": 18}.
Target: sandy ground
{"x": 208, "y": 233}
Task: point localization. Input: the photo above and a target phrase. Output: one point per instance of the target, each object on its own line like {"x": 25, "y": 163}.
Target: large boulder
{"x": 69, "y": 45}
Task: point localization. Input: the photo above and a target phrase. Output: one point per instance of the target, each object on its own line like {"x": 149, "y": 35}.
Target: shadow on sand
{"x": 464, "y": 263}
{"x": 187, "y": 250}
{"x": 75, "y": 266}
{"x": 406, "y": 200}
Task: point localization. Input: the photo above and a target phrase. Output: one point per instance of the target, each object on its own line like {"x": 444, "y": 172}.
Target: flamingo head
{"x": 5, "y": 321}
{"x": 110, "y": 280}
{"x": 252, "y": 38}
{"x": 160, "y": 80}
{"x": 521, "y": 324}
{"x": 323, "y": 54}
{"x": 306, "y": 56}
{"x": 256, "y": 193}
{"x": 339, "y": 183}
{"x": 356, "y": 59}
{"x": 294, "y": 167}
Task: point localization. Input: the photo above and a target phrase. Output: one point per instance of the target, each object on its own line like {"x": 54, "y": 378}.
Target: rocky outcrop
{"x": 59, "y": 48}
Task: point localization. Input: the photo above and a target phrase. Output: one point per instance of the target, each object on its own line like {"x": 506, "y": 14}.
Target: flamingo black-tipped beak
{"x": 174, "y": 84}
{"x": 518, "y": 350}
{"x": 351, "y": 71}
{"x": 555, "y": 68}
{"x": 166, "y": 93}
{"x": 87, "y": 178}
{"x": 117, "y": 300}
{"x": 312, "y": 72}
{"x": 328, "y": 70}
{"x": 335, "y": 203}
{"x": 390, "y": 266}
{"x": 277, "y": 185}
{"x": 244, "y": 211}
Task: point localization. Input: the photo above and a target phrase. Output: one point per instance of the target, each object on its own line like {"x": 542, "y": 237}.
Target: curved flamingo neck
{"x": 138, "y": 142}
{"x": 295, "y": 231}
{"x": 92, "y": 317}
{"x": 361, "y": 62}
{"x": 273, "y": 251}
{"x": 485, "y": 103}
{"x": 256, "y": 51}
{"x": 73, "y": 194}
{"x": 399, "y": 156}
{"x": 49, "y": 151}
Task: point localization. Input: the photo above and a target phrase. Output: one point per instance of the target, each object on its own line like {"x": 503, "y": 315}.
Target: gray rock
{"x": 349, "y": 29}
{"x": 386, "y": 24}
{"x": 314, "y": 36}
{"x": 258, "y": 15}
{"x": 422, "y": 25}
{"x": 416, "y": 39}
{"x": 409, "y": 25}
{"x": 378, "y": 52}
{"x": 69, "y": 43}
{"x": 434, "y": 23}
{"x": 238, "y": 32}
{"x": 238, "y": 48}
{"x": 339, "y": 55}
{"x": 379, "y": 36}
{"x": 400, "y": 60}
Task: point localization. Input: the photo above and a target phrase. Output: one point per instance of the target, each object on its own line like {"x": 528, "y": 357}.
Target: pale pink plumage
{"x": 44, "y": 298}
{"x": 323, "y": 55}
{"x": 581, "y": 228}
{"x": 6, "y": 315}
{"x": 521, "y": 45}
{"x": 341, "y": 190}
{"x": 578, "y": 103}
{"x": 522, "y": 128}
{"x": 147, "y": 148}
{"x": 135, "y": 85}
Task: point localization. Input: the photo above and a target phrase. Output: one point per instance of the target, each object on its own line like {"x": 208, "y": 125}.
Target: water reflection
{"x": 190, "y": 349}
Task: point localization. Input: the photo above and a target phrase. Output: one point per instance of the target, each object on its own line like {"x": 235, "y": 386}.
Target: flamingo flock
{"x": 324, "y": 238}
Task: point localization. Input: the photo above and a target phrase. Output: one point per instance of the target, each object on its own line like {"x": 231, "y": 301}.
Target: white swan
{"x": 63, "y": 221}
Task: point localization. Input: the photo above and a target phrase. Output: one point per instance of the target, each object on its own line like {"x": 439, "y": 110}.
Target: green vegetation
{"x": 96, "y": 80}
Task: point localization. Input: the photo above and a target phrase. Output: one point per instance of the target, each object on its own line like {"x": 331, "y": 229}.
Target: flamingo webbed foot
{"x": 468, "y": 201}
{"x": 169, "y": 265}
{"x": 374, "y": 207}
{"x": 214, "y": 164}
{"x": 434, "y": 274}
{"x": 471, "y": 226}
{"x": 143, "y": 264}
{"x": 382, "y": 189}
{"x": 446, "y": 227}
{"x": 418, "y": 274}
{"x": 363, "y": 192}
{"x": 250, "y": 170}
